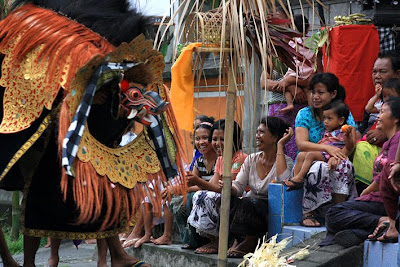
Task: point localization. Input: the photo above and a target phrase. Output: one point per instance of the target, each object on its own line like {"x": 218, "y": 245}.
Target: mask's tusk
{"x": 132, "y": 114}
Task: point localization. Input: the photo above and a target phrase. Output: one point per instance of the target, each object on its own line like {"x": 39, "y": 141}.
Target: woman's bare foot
{"x": 309, "y": 220}
{"x": 246, "y": 246}
{"x": 235, "y": 244}
{"x": 162, "y": 240}
{"x": 144, "y": 239}
{"x": 287, "y": 109}
{"x": 210, "y": 248}
{"x": 391, "y": 235}
{"x": 90, "y": 241}
{"x": 382, "y": 225}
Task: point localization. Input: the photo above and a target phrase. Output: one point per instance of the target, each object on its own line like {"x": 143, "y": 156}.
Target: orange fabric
{"x": 182, "y": 88}
{"x": 353, "y": 50}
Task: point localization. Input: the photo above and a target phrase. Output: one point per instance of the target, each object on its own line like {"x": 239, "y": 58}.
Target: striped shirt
{"x": 201, "y": 167}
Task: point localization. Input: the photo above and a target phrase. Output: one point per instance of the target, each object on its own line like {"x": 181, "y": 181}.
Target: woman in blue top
{"x": 325, "y": 182}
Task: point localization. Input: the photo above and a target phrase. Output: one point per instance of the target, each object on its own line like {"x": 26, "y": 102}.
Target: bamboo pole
{"x": 226, "y": 176}
{"x": 16, "y": 215}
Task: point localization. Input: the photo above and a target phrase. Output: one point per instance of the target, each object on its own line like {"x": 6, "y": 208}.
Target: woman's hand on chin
{"x": 286, "y": 137}
{"x": 335, "y": 152}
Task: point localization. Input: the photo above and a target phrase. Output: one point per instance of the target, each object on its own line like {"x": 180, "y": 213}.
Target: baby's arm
{"x": 350, "y": 141}
{"x": 370, "y": 108}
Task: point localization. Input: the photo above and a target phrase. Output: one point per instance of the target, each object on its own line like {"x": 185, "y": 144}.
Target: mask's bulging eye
{"x": 134, "y": 93}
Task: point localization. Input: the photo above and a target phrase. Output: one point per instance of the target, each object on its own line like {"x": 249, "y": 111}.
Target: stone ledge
{"x": 329, "y": 256}
{"x": 173, "y": 255}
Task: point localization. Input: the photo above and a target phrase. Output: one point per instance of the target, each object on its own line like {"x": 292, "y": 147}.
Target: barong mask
{"x": 139, "y": 104}
{"x": 54, "y": 67}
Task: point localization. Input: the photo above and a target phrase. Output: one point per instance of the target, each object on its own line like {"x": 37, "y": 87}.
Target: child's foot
{"x": 287, "y": 109}
{"x": 131, "y": 239}
{"x": 294, "y": 184}
{"x": 144, "y": 239}
{"x": 162, "y": 240}
{"x": 130, "y": 242}
{"x": 123, "y": 237}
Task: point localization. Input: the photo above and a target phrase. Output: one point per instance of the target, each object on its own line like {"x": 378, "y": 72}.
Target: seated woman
{"x": 249, "y": 211}
{"x": 325, "y": 181}
{"x": 349, "y": 223}
{"x": 206, "y": 204}
{"x": 336, "y": 134}
{"x": 204, "y": 168}
{"x": 386, "y": 66}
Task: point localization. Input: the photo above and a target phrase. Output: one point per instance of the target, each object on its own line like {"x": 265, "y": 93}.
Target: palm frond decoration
{"x": 236, "y": 29}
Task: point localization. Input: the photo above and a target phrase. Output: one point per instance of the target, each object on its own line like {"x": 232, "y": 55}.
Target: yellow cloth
{"x": 182, "y": 88}
{"x": 363, "y": 161}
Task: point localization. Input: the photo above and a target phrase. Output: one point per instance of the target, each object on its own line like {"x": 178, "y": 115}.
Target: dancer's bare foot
{"x": 11, "y": 263}
{"x": 90, "y": 241}
{"x": 382, "y": 225}
{"x": 102, "y": 264}
{"x": 119, "y": 257}
{"x": 287, "y": 109}
{"x": 144, "y": 239}
{"x": 127, "y": 261}
{"x": 53, "y": 261}
{"x": 162, "y": 240}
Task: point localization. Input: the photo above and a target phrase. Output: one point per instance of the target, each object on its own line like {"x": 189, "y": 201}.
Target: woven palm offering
{"x": 207, "y": 27}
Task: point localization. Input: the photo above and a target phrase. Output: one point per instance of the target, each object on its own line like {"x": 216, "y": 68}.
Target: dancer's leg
{"x": 119, "y": 258}
{"x": 31, "y": 245}
{"x": 54, "y": 248}
{"x": 5, "y": 253}
{"x": 102, "y": 253}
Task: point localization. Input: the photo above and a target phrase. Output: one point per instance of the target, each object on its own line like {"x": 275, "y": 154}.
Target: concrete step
{"x": 329, "y": 256}
{"x": 173, "y": 255}
{"x": 299, "y": 233}
{"x": 381, "y": 254}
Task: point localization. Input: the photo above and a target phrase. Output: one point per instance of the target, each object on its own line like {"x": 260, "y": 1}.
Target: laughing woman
{"x": 203, "y": 171}
{"x": 325, "y": 182}
{"x": 206, "y": 204}
{"x": 248, "y": 214}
